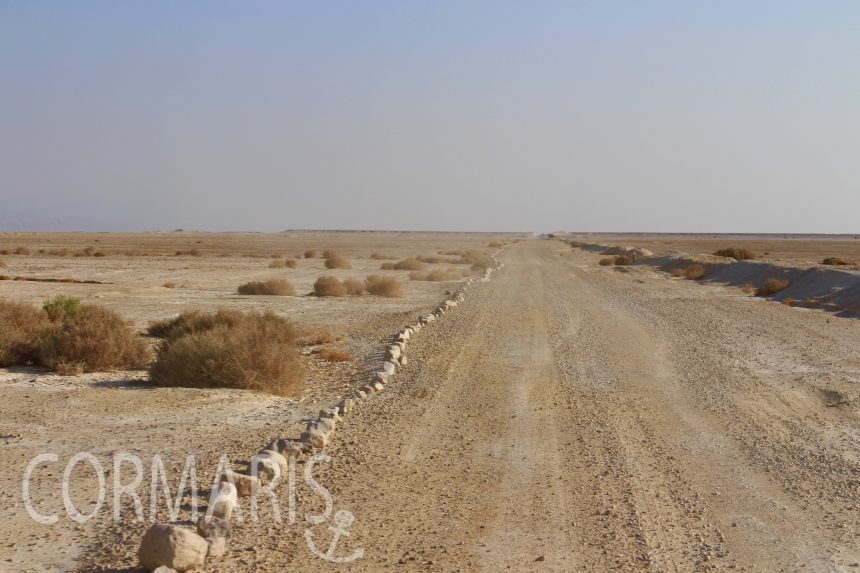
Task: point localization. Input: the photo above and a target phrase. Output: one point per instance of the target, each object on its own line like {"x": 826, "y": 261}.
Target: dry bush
{"x": 329, "y": 286}
{"x": 378, "y": 257}
{"x": 772, "y": 286}
{"x": 692, "y": 272}
{"x": 836, "y": 261}
{"x": 21, "y": 328}
{"x": 292, "y": 263}
{"x": 309, "y": 335}
{"x": 59, "y": 252}
{"x": 607, "y": 262}
{"x": 92, "y": 339}
{"x": 335, "y": 261}
{"x": 748, "y": 288}
{"x": 788, "y": 301}
{"x": 410, "y": 264}
{"x": 496, "y": 244}
{"x": 2, "y": 264}
{"x": 386, "y": 266}
{"x": 479, "y": 261}
{"x": 334, "y": 355}
{"x": 328, "y": 253}
{"x": 310, "y": 254}
{"x": 192, "y": 321}
{"x": 60, "y": 306}
{"x": 169, "y": 285}
{"x": 623, "y": 260}
{"x": 432, "y": 259}
{"x": 437, "y": 275}
{"x": 353, "y": 286}
{"x": 737, "y": 254}
{"x": 253, "y": 352}
{"x": 383, "y": 286}
{"x": 278, "y": 264}
{"x": 279, "y": 287}
{"x": 5, "y": 252}
{"x": 21, "y": 251}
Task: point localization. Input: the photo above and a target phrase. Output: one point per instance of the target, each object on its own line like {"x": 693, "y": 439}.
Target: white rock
{"x": 172, "y": 546}
{"x": 270, "y": 465}
{"x": 216, "y": 532}
{"x": 332, "y": 413}
{"x": 225, "y": 501}
{"x": 315, "y": 438}
{"x": 389, "y": 367}
{"x": 245, "y": 485}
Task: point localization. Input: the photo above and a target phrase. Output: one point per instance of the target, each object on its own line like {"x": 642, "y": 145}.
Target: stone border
{"x": 167, "y": 548}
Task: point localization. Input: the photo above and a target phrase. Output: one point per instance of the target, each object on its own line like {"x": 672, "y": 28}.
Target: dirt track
{"x": 570, "y": 417}
{"x": 575, "y": 415}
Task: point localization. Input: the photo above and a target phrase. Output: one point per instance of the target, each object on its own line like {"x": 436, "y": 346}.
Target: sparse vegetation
{"x": 60, "y": 306}
{"x": 607, "y": 262}
{"x": 91, "y": 339}
{"x": 2, "y": 264}
{"x": 249, "y": 351}
{"x": 772, "y": 286}
{"x": 283, "y": 264}
{"x": 310, "y": 254}
{"x": 278, "y": 287}
{"x": 432, "y": 259}
{"x": 334, "y": 355}
{"x": 353, "y": 286}
{"x": 378, "y": 257}
{"x": 22, "y": 326}
{"x": 383, "y": 286}
{"x": 191, "y": 321}
{"x": 386, "y": 266}
{"x": 479, "y": 261}
{"x": 737, "y": 254}
{"x": 410, "y": 264}
{"x": 837, "y": 261}
{"x": 169, "y": 284}
{"x": 335, "y": 261}
{"x": 691, "y": 272}
{"x": 21, "y": 251}
{"x": 623, "y": 260}
{"x": 329, "y": 286}
{"x": 748, "y": 288}
{"x": 310, "y": 335}
{"x": 437, "y": 275}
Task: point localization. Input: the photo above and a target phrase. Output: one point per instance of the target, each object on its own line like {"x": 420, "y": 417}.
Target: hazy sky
{"x": 603, "y": 115}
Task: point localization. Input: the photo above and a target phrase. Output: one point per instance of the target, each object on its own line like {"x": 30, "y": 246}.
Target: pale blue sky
{"x": 604, "y": 115}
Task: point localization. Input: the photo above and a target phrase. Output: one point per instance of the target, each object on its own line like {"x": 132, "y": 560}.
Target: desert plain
{"x": 566, "y": 416}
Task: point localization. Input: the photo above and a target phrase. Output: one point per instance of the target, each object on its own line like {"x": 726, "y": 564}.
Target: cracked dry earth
{"x": 571, "y": 417}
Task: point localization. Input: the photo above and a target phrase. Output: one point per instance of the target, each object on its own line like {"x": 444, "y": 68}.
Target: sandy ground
{"x": 566, "y": 417}
{"x": 803, "y": 249}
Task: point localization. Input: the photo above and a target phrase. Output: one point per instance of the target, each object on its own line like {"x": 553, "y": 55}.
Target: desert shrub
{"x": 353, "y": 286}
{"x": 383, "y": 286}
{"x": 92, "y": 339}
{"x": 310, "y": 335}
{"x": 386, "y": 266}
{"x": 254, "y": 352}
{"x": 59, "y": 252}
{"x": 329, "y": 286}
{"x": 278, "y": 287}
{"x": 22, "y": 251}
{"x": 495, "y": 244}
{"x": 411, "y": 264}
{"x": 2, "y": 264}
{"x": 310, "y": 254}
{"x": 169, "y": 284}
{"x": 5, "y": 252}
{"x": 278, "y": 264}
{"x": 333, "y": 355}
{"x": 479, "y": 261}
{"x": 692, "y": 272}
{"x": 623, "y": 260}
{"x": 21, "y": 328}
{"x": 192, "y": 321}
{"x": 607, "y": 262}
{"x": 61, "y": 305}
{"x": 772, "y": 286}
{"x": 328, "y": 253}
{"x": 736, "y": 253}
{"x": 378, "y": 257}
{"x": 292, "y": 263}
{"x": 437, "y": 275}
{"x": 836, "y": 261}
{"x": 335, "y": 261}
{"x": 748, "y": 288}
{"x": 432, "y": 259}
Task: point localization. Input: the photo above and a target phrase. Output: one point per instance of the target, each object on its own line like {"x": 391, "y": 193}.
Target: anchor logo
{"x": 343, "y": 519}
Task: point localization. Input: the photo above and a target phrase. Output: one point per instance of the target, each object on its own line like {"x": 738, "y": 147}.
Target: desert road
{"x": 571, "y": 417}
